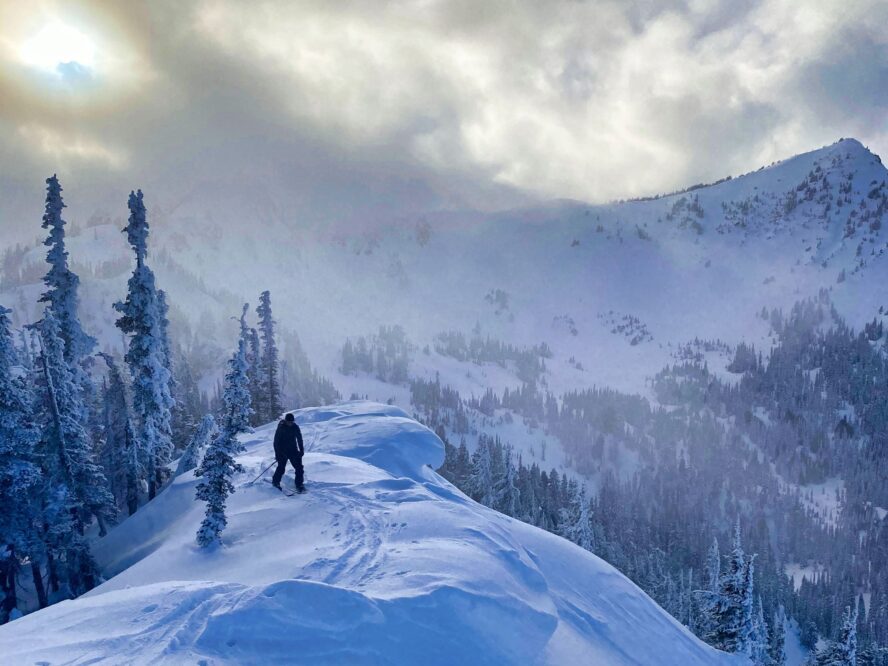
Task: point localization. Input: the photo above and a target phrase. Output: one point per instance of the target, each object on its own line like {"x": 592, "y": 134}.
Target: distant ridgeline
{"x": 795, "y": 448}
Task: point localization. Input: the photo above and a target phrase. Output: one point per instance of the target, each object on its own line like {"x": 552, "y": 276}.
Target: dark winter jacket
{"x": 288, "y": 440}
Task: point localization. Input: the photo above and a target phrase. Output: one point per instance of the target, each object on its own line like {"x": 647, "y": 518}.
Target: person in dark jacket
{"x": 288, "y": 446}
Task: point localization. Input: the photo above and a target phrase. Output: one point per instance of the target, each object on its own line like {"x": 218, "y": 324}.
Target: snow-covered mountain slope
{"x": 618, "y": 287}
{"x": 382, "y": 562}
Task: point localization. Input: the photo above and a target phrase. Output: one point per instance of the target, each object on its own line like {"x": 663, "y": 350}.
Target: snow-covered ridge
{"x": 382, "y": 562}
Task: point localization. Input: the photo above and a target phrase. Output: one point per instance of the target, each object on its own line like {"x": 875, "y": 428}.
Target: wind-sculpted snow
{"x": 392, "y": 442}
{"x": 382, "y": 562}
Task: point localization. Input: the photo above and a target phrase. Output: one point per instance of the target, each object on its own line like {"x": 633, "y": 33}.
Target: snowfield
{"x": 381, "y": 562}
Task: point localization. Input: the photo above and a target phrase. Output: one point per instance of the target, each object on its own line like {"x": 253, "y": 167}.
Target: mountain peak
{"x": 854, "y": 149}
{"x": 847, "y": 153}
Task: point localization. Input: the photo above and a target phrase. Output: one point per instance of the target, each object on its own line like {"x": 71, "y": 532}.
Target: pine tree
{"x": 848, "y": 637}
{"x": 777, "y": 650}
{"x": 749, "y": 630}
{"x": 188, "y": 409}
{"x": 254, "y": 354}
{"x": 758, "y": 648}
{"x": 116, "y": 429}
{"x": 135, "y": 469}
{"x": 731, "y": 609}
{"x": 76, "y": 484}
{"x": 205, "y": 433}
{"x": 270, "y": 407}
{"x": 480, "y": 481}
{"x": 238, "y": 408}
{"x": 163, "y": 309}
{"x": 841, "y": 652}
{"x": 710, "y": 598}
{"x": 19, "y": 475}
{"x": 66, "y": 434}
{"x": 713, "y": 567}
{"x": 218, "y": 465}
{"x": 143, "y": 318}
{"x": 462, "y": 464}
{"x": 61, "y": 283}
{"x": 862, "y": 624}
{"x": 580, "y": 529}
{"x": 166, "y": 345}
{"x": 507, "y": 491}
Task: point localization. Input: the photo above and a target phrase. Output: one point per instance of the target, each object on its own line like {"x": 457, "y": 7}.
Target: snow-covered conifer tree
{"x": 189, "y": 408}
{"x": 713, "y": 567}
{"x": 759, "y": 643}
{"x": 205, "y": 433}
{"x": 507, "y": 492}
{"x": 76, "y": 485}
{"x": 462, "y": 464}
{"x": 270, "y": 407}
{"x": 112, "y": 454}
{"x": 216, "y": 469}
{"x": 19, "y": 475}
{"x": 61, "y": 283}
{"x": 135, "y": 468}
{"x": 708, "y": 599}
{"x": 576, "y": 521}
{"x": 749, "y": 628}
{"x": 65, "y": 435}
{"x": 730, "y": 620}
{"x": 841, "y": 652}
{"x": 848, "y": 638}
{"x": 777, "y": 650}
{"x": 218, "y": 464}
{"x": 238, "y": 408}
{"x": 143, "y": 318}
{"x": 164, "y": 310}
{"x": 167, "y": 346}
{"x": 254, "y": 355}
{"x": 480, "y": 481}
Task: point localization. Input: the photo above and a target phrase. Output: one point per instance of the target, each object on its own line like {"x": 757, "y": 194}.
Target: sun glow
{"x": 57, "y": 45}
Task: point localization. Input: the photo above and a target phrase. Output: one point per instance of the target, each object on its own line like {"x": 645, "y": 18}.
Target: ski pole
{"x": 261, "y": 473}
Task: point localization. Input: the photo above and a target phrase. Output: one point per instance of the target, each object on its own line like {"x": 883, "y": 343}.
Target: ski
{"x": 285, "y": 491}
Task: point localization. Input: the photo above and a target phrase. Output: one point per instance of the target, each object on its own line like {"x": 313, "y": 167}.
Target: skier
{"x": 288, "y": 446}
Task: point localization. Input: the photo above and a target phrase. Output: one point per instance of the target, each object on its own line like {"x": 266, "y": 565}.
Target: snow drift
{"x": 382, "y": 562}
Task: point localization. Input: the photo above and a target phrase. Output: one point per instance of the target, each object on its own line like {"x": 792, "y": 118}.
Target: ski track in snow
{"x": 381, "y": 562}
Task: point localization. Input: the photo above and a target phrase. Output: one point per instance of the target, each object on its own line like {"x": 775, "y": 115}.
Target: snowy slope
{"x": 382, "y": 562}
{"x": 697, "y": 264}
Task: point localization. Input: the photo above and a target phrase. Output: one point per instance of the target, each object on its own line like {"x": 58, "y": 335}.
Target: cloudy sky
{"x": 379, "y": 108}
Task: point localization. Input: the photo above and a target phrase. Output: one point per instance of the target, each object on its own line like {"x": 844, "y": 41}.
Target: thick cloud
{"x": 371, "y": 110}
